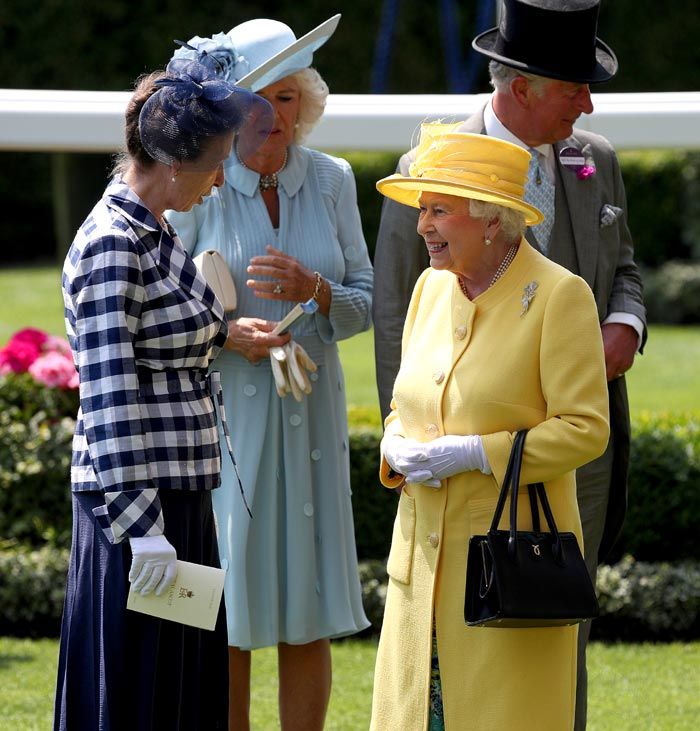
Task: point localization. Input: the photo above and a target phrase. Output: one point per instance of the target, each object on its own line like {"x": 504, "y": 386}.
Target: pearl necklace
{"x": 268, "y": 182}
{"x": 507, "y": 259}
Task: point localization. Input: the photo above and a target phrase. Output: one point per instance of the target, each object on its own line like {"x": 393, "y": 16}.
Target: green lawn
{"x": 663, "y": 379}
{"x": 632, "y": 687}
{"x": 30, "y": 297}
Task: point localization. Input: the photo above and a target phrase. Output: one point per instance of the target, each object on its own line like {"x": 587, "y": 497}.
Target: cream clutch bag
{"x": 214, "y": 269}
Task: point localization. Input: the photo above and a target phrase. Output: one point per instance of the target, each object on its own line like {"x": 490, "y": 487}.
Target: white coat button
{"x": 439, "y": 377}
{"x": 249, "y": 389}
{"x": 295, "y": 419}
{"x": 308, "y": 510}
{"x": 433, "y": 539}
{"x": 316, "y": 455}
{"x": 431, "y": 429}
{"x": 461, "y": 332}
{"x": 350, "y": 253}
{"x": 313, "y": 377}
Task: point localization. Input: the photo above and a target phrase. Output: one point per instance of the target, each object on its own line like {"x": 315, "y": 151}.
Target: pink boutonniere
{"x": 587, "y": 170}
{"x": 578, "y": 161}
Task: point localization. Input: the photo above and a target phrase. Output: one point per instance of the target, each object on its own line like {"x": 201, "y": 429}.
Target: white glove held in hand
{"x": 429, "y": 462}
{"x": 290, "y": 364}
{"x": 390, "y": 448}
{"x": 153, "y": 564}
{"x": 446, "y": 456}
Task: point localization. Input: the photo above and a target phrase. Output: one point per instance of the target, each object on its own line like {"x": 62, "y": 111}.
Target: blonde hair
{"x": 512, "y": 221}
{"x": 313, "y": 92}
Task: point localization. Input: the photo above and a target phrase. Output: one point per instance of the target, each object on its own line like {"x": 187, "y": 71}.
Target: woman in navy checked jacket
{"x": 144, "y": 327}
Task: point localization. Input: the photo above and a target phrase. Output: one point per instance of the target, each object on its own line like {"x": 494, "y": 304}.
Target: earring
{"x": 487, "y": 241}
{"x": 172, "y": 180}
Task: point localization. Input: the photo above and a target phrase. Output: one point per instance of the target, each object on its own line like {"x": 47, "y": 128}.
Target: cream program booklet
{"x": 193, "y": 599}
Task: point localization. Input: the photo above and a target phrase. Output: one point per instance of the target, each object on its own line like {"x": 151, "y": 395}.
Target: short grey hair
{"x": 313, "y": 92}
{"x": 512, "y": 221}
{"x": 502, "y": 75}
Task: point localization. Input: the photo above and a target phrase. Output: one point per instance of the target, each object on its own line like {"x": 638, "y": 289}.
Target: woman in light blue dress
{"x": 288, "y": 226}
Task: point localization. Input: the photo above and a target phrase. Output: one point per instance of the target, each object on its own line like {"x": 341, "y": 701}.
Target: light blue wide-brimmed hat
{"x": 259, "y": 52}
{"x": 268, "y": 50}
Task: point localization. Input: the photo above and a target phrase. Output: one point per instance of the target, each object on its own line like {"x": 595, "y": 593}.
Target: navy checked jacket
{"x": 144, "y": 327}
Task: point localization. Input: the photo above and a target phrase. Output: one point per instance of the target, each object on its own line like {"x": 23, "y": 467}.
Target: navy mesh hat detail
{"x": 193, "y": 105}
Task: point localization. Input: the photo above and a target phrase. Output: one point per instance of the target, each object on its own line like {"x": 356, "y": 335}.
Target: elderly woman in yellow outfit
{"x": 497, "y": 338}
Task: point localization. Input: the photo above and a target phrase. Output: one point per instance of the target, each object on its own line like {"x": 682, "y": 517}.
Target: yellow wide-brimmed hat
{"x": 466, "y": 165}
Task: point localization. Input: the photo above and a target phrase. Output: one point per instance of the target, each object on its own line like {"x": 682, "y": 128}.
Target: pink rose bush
{"x": 45, "y": 357}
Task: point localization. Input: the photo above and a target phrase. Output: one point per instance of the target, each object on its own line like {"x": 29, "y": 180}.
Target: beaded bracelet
{"x": 317, "y": 288}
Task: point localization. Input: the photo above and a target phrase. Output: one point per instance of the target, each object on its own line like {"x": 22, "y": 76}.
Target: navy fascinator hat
{"x": 193, "y": 105}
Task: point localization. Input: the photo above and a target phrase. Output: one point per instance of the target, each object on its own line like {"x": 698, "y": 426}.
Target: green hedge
{"x": 638, "y": 601}
{"x": 663, "y": 192}
{"x": 35, "y": 455}
{"x": 672, "y": 293}
{"x": 648, "y": 601}
{"x": 663, "y": 200}
{"x": 32, "y": 587}
{"x": 664, "y": 223}
{"x": 664, "y": 490}
{"x": 664, "y": 484}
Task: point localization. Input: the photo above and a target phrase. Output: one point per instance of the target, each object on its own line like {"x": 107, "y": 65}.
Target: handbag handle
{"x": 536, "y": 492}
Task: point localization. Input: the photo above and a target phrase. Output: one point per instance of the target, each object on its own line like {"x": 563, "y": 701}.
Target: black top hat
{"x": 552, "y": 38}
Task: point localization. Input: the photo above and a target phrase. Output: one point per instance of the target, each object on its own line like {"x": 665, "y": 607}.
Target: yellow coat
{"x": 484, "y": 367}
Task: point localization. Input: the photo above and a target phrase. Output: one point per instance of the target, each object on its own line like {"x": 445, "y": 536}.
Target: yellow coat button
{"x": 433, "y": 539}
{"x": 439, "y": 376}
{"x": 431, "y": 429}
{"x": 461, "y": 332}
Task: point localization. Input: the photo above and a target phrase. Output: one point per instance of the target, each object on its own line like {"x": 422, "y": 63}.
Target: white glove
{"x": 153, "y": 564}
{"x": 390, "y": 448}
{"x": 429, "y": 462}
{"x": 446, "y": 456}
{"x": 394, "y": 447}
{"x": 290, "y": 364}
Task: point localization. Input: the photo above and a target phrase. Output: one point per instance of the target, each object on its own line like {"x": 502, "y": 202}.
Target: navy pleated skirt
{"x": 120, "y": 669}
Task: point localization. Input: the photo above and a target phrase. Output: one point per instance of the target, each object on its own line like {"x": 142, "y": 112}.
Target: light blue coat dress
{"x": 291, "y": 569}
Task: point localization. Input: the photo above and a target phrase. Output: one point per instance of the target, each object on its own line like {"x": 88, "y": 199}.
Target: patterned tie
{"x": 540, "y": 193}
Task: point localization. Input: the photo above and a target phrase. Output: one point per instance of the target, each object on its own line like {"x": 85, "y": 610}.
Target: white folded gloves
{"x": 290, "y": 364}
{"x": 153, "y": 564}
{"x": 429, "y": 462}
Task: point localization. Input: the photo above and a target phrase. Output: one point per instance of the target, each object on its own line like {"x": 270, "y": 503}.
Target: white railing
{"x": 86, "y": 121}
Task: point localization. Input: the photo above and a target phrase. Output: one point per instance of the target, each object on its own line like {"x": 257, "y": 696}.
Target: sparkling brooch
{"x": 528, "y": 296}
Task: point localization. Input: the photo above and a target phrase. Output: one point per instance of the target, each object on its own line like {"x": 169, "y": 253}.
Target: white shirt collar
{"x": 496, "y": 128}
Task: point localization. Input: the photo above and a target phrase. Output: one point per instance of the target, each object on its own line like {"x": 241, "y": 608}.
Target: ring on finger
{"x": 277, "y": 289}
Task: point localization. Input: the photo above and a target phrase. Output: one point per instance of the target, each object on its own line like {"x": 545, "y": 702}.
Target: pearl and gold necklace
{"x": 507, "y": 259}
{"x": 268, "y": 182}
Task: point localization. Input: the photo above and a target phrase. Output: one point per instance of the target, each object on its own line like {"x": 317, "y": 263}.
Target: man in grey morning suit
{"x": 545, "y": 54}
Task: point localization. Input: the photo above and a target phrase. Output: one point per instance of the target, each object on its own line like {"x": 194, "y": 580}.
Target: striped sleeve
{"x": 351, "y": 303}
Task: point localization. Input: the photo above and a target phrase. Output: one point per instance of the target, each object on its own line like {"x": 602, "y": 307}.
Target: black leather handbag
{"x": 526, "y": 578}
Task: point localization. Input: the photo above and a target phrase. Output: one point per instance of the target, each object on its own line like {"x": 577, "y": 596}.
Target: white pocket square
{"x": 609, "y": 214}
